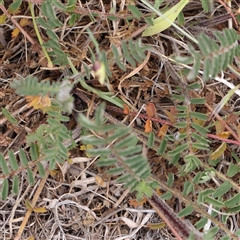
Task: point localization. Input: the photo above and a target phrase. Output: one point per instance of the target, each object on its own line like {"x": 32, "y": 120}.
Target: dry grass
{"x": 79, "y": 206}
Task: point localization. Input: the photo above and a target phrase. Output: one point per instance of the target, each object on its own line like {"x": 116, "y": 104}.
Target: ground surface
{"x": 79, "y": 206}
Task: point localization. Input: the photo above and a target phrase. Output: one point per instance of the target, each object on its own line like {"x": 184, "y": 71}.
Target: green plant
{"x": 119, "y": 149}
{"x": 214, "y": 57}
{"x": 48, "y": 139}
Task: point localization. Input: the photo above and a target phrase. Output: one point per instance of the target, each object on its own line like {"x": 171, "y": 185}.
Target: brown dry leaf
{"x": 163, "y": 130}
{"x": 136, "y": 203}
{"x": 148, "y": 83}
{"x": 232, "y": 118}
{"x": 155, "y": 226}
{"x": 35, "y": 47}
{"x": 225, "y": 134}
{"x": 210, "y": 98}
{"x": 219, "y": 151}
{"x": 173, "y": 111}
{"x": 220, "y": 127}
{"x": 23, "y": 22}
{"x": 148, "y": 126}
{"x": 151, "y": 110}
{"x": 100, "y": 182}
{"x": 40, "y": 209}
{"x": 126, "y": 109}
{"x": 158, "y": 192}
{"x": 39, "y": 102}
{"x": 161, "y": 93}
{"x": 15, "y": 32}
{"x": 172, "y": 114}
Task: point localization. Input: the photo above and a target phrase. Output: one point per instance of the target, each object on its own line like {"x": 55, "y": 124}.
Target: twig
{"x": 17, "y": 25}
{"x": 34, "y": 201}
{"x": 180, "y": 229}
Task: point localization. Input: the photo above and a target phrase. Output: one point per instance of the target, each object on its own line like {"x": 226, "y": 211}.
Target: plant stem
{"x": 197, "y": 208}
{"x": 180, "y": 229}
{"x": 31, "y": 6}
